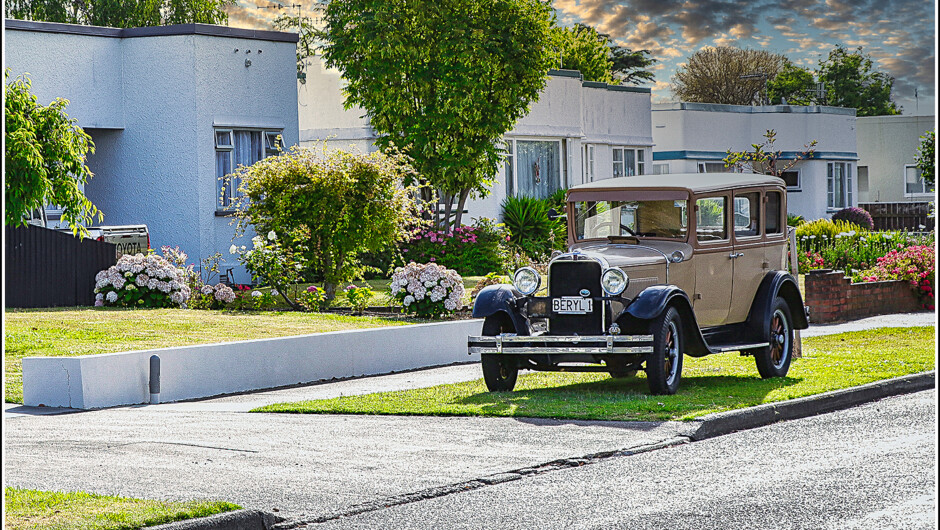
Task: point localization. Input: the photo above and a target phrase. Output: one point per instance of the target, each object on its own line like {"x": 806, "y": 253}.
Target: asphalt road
{"x": 870, "y": 467}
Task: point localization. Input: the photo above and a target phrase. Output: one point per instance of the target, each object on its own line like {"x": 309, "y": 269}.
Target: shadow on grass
{"x": 619, "y": 399}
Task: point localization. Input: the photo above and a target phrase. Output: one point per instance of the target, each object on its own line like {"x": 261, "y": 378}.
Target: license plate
{"x": 572, "y": 305}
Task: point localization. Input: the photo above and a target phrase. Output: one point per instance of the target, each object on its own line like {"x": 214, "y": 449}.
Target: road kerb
{"x": 722, "y": 423}
{"x": 234, "y": 520}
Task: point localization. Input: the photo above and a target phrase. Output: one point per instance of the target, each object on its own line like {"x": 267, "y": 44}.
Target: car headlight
{"x": 527, "y": 280}
{"x": 614, "y": 281}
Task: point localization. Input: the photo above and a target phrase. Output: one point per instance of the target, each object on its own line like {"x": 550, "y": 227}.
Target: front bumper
{"x": 552, "y": 344}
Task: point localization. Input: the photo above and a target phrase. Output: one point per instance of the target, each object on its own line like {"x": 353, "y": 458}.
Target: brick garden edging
{"x": 832, "y": 297}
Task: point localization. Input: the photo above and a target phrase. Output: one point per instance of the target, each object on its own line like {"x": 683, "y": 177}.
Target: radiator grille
{"x": 567, "y": 278}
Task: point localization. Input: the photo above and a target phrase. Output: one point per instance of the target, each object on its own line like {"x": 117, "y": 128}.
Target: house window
{"x": 588, "y": 163}
{"x": 538, "y": 167}
{"x": 628, "y": 162}
{"x": 713, "y": 167}
{"x": 239, "y": 147}
{"x": 914, "y": 183}
{"x": 661, "y": 169}
{"x": 792, "y": 178}
{"x": 838, "y": 185}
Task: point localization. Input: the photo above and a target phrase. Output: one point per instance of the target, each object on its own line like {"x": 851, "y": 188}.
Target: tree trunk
{"x": 448, "y": 210}
{"x": 460, "y": 205}
{"x": 330, "y": 289}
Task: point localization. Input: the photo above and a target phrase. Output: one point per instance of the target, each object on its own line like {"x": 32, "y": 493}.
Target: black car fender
{"x": 501, "y": 298}
{"x": 653, "y": 301}
{"x": 776, "y": 283}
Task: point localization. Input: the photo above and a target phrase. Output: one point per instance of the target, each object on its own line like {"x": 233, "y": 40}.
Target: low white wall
{"x": 189, "y": 372}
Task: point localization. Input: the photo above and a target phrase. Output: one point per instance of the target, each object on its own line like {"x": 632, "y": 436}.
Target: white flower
{"x": 130, "y": 287}
{"x": 206, "y": 289}
{"x": 271, "y": 235}
{"x": 255, "y": 294}
{"x": 99, "y": 296}
{"x": 450, "y": 305}
{"x": 112, "y": 297}
{"x": 408, "y": 300}
{"x": 233, "y": 249}
{"x": 274, "y": 292}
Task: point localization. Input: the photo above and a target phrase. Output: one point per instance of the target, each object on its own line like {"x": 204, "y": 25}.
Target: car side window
{"x": 747, "y": 215}
{"x": 710, "y": 221}
{"x": 772, "y": 218}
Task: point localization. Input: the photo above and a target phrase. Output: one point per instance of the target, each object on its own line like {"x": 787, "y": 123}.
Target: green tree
{"x": 442, "y": 79}
{"x": 44, "y": 159}
{"x": 926, "y": 158}
{"x": 329, "y": 207}
{"x": 598, "y": 58}
{"x": 765, "y": 158}
{"x": 121, "y": 13}
{"x": 726, "y": 75}
{"x": 850, "y": 82}
{"x": 582, "y": 48}
{"x": 793, "y": 84}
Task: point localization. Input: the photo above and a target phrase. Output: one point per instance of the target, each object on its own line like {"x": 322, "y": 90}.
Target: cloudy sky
{"x": 898, "y": 34}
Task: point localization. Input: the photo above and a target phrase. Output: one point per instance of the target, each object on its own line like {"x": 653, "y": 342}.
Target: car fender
{"x": 501, "y": 298}
{"x": 653, "y": 301}
{"x": 776, "y": 283}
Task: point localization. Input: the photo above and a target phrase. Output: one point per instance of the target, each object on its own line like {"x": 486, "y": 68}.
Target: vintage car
{"x": 657, "y": 267}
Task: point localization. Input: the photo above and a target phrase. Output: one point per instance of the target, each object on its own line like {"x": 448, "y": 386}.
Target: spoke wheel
{"x": 499, "y": 371}
{"x": 664, "y": 366}
{"x": 774, "y": 360}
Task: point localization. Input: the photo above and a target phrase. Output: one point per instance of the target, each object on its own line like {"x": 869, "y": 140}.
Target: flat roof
{"x": 150, "y": 31}
{"x": 754, "y": 109}
{"x": 694, "y": 182}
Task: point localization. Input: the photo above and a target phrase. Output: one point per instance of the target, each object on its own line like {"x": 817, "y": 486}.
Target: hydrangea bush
{"x": 471, "y": 250}
{"x": 427, "y": 290}
{"x": 358, "y": 297}
{"x": 141, "y": 281}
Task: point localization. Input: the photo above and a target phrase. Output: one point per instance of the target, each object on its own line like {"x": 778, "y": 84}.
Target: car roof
{"x": 693, "y": 182}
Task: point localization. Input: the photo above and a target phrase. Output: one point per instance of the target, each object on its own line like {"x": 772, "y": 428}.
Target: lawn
{"x": 711, "y": 384}
{"x": 83, "y": 331}
{"x": 47, "y": 510}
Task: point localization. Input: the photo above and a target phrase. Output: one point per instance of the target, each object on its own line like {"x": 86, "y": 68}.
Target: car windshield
{"x": 660, "y": 218}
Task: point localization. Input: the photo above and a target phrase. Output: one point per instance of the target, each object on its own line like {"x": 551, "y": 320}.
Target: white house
{"x": 887, "y": 146}
{"x": 577, "y": 131}
{"x": 695, "y": 137}
{"x": 169, "y": 109}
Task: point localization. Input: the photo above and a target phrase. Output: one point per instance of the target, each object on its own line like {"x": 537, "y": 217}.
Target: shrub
{"x": 248, "y": 299}
{"x": 273, "y": 264}
{"x": 913, "y": 264}
{"x": 358, "y": 297}
{"x": 822, "y": 246}
{"x": 330, "y": 206}
{"x": 530, "y": 229}
{"x": 428, "y": 291}
{"x": 856, "y": 216}
{"x": 313, "y": 299}
{"x": 141, "y": 281}
{"x": 795, "y": 220}
{"x": 493, "y": 278}
{"x": 470, "y": 250}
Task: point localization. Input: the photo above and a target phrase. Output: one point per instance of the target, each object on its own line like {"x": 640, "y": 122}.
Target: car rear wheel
{"x": 499, "y": 371}
{"x": 664, "y": 367}
{"x": 774, "y": 360}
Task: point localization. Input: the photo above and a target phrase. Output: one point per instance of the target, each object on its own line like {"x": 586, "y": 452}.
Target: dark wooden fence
{"x": 911, "y": 216}
{"x": 48, "y": 268}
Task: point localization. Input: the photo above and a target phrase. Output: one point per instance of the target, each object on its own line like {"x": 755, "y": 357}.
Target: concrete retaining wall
{"x": 107, "y": 380}
{"x": 832, "y": 297}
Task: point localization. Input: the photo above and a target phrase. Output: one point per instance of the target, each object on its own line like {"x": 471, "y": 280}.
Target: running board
{"x": 738, "y": 347}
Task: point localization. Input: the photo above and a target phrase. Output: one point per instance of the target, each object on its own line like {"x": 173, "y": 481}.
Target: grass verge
{"x": 84, "y": 331}
{"x": 710, "y": 384}
{"x": 49, "y": 510}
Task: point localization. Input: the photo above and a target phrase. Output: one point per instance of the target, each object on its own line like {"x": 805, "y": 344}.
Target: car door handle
{"x": 733, "y": 255}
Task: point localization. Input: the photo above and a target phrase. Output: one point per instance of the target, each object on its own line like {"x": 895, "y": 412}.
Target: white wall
{"x": 885, "y": 145}
{"x": 688, "y": 133}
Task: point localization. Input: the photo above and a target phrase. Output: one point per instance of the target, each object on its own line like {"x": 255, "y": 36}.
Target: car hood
{"x": 627, "y": 256}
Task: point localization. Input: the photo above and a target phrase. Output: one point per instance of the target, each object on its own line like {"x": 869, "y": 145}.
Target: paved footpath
{"x": 303, "y": 466}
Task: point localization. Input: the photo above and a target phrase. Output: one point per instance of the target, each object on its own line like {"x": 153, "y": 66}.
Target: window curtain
{"x": 538, "y": 171}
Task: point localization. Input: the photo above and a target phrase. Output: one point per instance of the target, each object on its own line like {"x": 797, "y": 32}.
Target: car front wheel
{"x": 499, "y": 371}
{"x": 664, "y": 367}
{"x": 774, "y": 360}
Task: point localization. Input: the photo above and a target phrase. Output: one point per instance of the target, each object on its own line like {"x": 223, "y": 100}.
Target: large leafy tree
{"x": 121, "y": 13}
{"x": 850, "y": 82}
{"x": 442, "y": 79}
{"x": 44, "y": 159}
{"x": 598, "y": 58}
{"x": 726, "y": 75}
{"x": 794, "y": 85}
